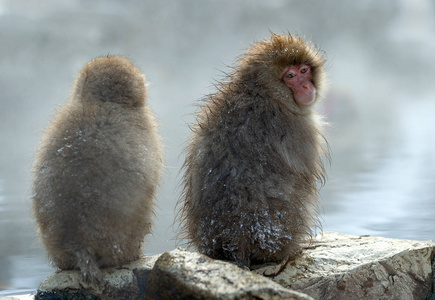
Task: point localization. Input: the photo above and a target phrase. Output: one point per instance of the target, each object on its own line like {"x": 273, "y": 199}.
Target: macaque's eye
{"x": 290, "y": 75}
{"x": 304, "y": 70}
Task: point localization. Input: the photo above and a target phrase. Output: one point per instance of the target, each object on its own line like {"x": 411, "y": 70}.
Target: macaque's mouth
{"x": 306, "y": 99}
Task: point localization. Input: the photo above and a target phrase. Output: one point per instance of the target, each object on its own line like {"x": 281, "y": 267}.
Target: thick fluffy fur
{"x": 97, "y": 170}
{"x": 255, "y": 160}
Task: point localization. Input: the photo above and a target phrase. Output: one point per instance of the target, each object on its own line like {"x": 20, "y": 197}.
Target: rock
{"x": 334, "y": 266}
{"x": 340, "y": 266}
{"x": 181, "y": 274}
{"x": 178, "y": 274}
{"x": 126, "y": 282}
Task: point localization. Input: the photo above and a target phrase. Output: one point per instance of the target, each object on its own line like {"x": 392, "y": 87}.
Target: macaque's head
{"x": 287, "y": 63}
{"x": 111, "y": 79}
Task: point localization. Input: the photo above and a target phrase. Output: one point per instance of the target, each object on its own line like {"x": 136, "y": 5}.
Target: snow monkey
{"x": 255, "y": 161}
{"x": 97, "y": 171}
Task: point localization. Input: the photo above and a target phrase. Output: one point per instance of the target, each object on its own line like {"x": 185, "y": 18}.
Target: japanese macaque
{"x": 255, "y": 161}
{"x": 97, "y": 171}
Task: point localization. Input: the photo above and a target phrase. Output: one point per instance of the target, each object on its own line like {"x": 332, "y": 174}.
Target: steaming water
{"x": 380, "y": 104}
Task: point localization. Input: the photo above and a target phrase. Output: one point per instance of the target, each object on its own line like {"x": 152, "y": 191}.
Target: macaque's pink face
{"x": 299, "y": 80}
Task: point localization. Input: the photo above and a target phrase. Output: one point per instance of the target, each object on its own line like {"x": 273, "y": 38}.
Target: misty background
{"x": 380, "y": 104}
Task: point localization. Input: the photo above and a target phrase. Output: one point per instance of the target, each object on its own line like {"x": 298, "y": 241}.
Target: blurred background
{"x": 380, "y": 104}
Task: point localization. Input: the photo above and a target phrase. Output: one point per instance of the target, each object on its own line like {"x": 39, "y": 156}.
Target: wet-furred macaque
{"x": 97, "y": 171}
{"x": 255, "y": 161}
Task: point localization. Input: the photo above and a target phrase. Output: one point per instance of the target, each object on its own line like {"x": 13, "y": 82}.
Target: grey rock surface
{"x": 340, "y": 266}
{"x": 126, "y": 282}
{"x": 180, "y": 274}
{"x": 333, "y": 266}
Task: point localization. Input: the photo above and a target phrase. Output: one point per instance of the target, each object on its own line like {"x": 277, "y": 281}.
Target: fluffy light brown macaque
{"x": 255, "y": 161}
{"x": 97, "y": 171}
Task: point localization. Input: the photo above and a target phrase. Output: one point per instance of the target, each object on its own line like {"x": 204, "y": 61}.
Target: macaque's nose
{"x": 306, "y": 84}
